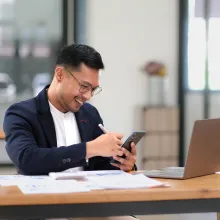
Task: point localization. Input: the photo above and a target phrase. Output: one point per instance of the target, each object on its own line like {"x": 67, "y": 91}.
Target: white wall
{"x": 129, "y": 33}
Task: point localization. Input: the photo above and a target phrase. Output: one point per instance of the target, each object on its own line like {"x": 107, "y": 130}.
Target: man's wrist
{"x": 90, "y": 150}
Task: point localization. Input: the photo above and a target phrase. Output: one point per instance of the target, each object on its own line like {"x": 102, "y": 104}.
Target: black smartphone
{"x": 134, "y": 137}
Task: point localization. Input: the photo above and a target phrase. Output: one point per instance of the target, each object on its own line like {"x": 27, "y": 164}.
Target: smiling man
{"x": 57, "y": 129}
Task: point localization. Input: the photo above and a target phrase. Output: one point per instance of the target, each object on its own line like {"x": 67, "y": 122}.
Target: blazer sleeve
{"x": 31, "y": 159}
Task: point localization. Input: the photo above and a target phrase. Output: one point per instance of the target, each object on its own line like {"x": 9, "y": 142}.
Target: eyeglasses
{"x": 85, "y": 88}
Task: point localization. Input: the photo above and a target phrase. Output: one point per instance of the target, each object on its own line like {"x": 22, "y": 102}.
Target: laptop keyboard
{"x": 166, "y": 172}
{"x": 174, "y": 169}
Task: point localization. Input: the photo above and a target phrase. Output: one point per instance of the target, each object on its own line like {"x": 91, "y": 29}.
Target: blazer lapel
{"x": 45, "y": 117}
{"x": 83, "y": 125}
{"x": 49, "y": 129}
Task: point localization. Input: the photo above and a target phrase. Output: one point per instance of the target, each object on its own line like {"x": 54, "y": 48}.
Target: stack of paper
{"x": 68, "y": 174}
{"x": 124, "y": 181}
{"x": 94, "y": 180}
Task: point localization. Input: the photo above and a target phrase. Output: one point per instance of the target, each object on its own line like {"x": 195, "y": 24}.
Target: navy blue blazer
{"x": 31, "y": 138}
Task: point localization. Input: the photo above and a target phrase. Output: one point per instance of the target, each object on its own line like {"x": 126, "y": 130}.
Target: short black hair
{"x": 76, "y": 54}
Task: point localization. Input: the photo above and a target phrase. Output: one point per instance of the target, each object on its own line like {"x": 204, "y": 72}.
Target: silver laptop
{"x": 203, "y": 155}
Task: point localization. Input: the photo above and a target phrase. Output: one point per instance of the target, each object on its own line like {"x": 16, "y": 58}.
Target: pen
{"x": 103, "y": 129}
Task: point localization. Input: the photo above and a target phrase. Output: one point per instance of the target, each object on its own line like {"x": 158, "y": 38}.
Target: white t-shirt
{"x": 66, "y": 128}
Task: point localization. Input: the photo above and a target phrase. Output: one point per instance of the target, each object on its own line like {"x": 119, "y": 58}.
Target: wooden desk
{"x": 184, "y": 196}
{"x": 2, "y": 135}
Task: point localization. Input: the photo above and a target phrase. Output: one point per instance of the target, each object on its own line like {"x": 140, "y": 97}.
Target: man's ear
{"x": 59, "y": 73}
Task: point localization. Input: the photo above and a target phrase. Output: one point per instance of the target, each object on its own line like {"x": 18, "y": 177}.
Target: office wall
{"x": 129, "y": 33}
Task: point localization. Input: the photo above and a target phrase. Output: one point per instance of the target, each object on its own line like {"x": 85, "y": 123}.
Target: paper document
{"x": 125, "y": 181}
{"x": 69, "y": 174}
{"x": 91, "y": 185}
{"x": 51, "y": 186}
{"x": 13, "y": 180}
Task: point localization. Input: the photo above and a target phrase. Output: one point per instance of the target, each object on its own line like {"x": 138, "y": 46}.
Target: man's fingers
{"x": 122, "y": 167}
{"x": 119, "y": 142}
{"x": 120, "y": 159}
{"x": 129, "y": 156}
{"x": 119, "y": 152}
{"x": 126, "y": 152}
{"x": 118, "y": 135}
{"x": 127, "y": 163}
{"x": 116, "y": 165}
{"x": 133, "y": 149}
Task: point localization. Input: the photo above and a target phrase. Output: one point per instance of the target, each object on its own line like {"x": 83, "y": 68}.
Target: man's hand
{"x": 106, "y": 145}
{"x": 126, "y": 164}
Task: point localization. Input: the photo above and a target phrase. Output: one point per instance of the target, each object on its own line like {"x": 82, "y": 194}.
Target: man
{"x": 57, "y": 129}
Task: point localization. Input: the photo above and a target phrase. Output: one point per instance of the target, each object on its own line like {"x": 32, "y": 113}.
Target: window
{"x": 31, "y": 34}
{"x": 197, "y": 45}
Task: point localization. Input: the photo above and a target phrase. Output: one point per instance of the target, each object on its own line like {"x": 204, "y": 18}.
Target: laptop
{"x": 203, "y": 155}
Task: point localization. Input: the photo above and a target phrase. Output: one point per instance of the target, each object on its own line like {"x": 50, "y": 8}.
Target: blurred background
{"x": 161, "y": 58}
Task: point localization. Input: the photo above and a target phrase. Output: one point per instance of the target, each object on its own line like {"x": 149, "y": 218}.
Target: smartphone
{"x": 134, "y": 137}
